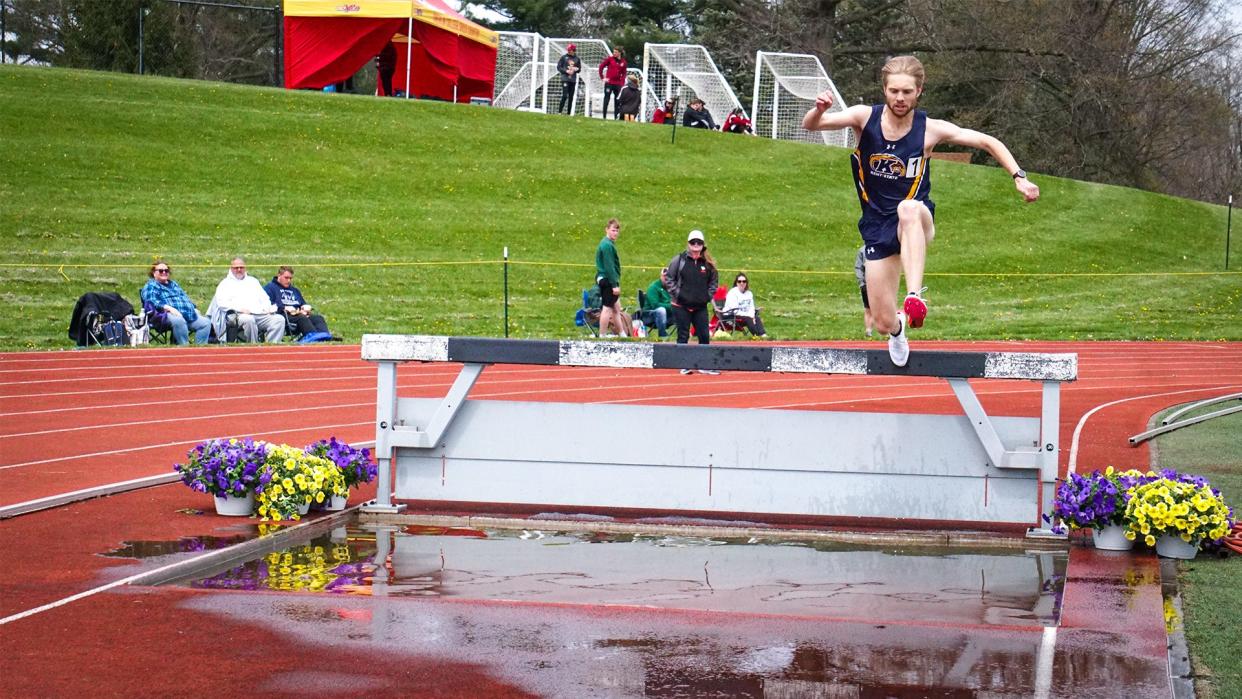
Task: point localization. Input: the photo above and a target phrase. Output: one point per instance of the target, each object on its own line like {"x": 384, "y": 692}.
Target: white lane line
{"x": 368, "y": 373}
{"x": 98, "y": 491}
{"x": 194, "y": 563}
{"x": 187, "y": 418}
{"x": 1073, "y": 455}
{"x": 148, "y": 447}
{"x": 111, "y": 355}
{"x": 170, "y": 375}
{"x": 1044, "y": 664}
{"x": 296, "y": 361}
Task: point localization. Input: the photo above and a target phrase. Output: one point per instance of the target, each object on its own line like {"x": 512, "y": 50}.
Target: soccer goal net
{"x": 589, "y": 94}
{"x": 683, "y": 72}
{"x": 785, "y": 88}
{"x": 519, "y": 77}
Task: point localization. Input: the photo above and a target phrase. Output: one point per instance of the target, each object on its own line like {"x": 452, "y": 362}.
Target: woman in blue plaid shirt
{"x": 161, "y": 293}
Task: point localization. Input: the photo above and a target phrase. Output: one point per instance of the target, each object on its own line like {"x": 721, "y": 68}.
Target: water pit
{"x": 751, "y": 576}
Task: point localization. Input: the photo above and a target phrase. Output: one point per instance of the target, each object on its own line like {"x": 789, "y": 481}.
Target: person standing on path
{"x": 691, "y": 279}
{"x": 612, "y": 70}
{"x": 568, "y": 66}
{"x": 890, "y": 169}
{"x": 608, "y": 277}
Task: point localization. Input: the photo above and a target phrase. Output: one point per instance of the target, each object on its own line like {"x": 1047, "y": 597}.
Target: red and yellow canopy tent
{"x": 439, "y": 53}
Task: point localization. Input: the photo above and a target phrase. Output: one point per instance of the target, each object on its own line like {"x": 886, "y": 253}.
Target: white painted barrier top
{"x": 764, "y": 358}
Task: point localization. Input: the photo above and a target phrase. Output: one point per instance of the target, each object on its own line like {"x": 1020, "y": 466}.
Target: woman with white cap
{"x": 691, "y": 280}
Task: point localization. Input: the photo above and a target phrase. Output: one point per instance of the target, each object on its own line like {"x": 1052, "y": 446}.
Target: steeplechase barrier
{"x": 971, "y": 470}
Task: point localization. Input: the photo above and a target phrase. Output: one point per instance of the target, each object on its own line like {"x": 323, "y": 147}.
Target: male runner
{"x": 890, "y": 168}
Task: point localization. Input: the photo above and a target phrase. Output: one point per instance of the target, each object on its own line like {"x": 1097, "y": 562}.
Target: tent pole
{"x": 409, "y": 52}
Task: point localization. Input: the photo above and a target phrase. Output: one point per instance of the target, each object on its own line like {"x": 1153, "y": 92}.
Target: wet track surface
{"x": 452, "y": 614}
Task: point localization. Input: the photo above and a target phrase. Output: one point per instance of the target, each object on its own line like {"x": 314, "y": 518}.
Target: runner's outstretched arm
{"x": 817, "y": 118}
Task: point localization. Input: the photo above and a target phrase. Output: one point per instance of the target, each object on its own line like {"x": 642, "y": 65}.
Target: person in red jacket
{"x": 737, "y": 122}
{"x": 612, "y": 70}
{"x": 665, "y": 114}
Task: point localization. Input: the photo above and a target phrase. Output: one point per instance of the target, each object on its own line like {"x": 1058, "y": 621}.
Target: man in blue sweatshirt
{"x": 292, "y": 304}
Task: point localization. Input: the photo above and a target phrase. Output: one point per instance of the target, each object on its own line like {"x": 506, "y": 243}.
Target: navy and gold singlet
{"x": 885, "y": 174}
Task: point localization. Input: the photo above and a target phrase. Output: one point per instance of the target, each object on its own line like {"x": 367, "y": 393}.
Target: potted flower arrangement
{"x": 230, "y": 469}
{"x": 296, "y": 480}
{"x": 1176, "y": 513}
{"x": 354, "y": 464}
{"x": 1097, "y": 501}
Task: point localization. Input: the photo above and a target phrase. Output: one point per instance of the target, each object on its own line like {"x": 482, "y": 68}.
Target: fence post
{"x": 506, "y": 266}
{"x": 1228, "y": 231}
{"x": 142, "y": 11}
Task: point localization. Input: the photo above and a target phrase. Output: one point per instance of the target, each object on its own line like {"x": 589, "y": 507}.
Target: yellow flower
{"x": 319, "y": 496}
{"x": 1145, "y": 529}
{"x": 1108, "y": 471}
{"x": 288, "y": 484}
{"x": 1186, "y": 537}
{"x": 1149, "y": 540}
{"x": 1130, "y": 535}
{"x": 275, "y": 490}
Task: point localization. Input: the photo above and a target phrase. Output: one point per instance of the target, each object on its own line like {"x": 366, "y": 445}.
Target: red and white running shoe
{"x": 915, "y": 309}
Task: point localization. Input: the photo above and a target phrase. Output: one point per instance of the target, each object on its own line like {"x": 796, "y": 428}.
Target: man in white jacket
{"x": 244, "y": 295}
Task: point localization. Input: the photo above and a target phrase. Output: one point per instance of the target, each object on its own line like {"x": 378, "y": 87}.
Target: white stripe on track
{"x": 186, "y": 418}
{"x": 111, "y": 355}
{"x": 1044, "y": 663}
{"x": 354, "y": 362}
{"x": 362, "y": 370}
{"x": 1073, "y": 455}
{"x": 407, "y": 385}
{"x": 148, "y": 447}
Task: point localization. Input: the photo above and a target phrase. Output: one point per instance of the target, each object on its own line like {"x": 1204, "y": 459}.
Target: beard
{"x": 903, "y": 110}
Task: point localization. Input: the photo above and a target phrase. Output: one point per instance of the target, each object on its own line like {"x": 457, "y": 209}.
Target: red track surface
{"x": 71, "y": 420}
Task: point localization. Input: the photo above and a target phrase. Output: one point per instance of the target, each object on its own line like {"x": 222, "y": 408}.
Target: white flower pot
{"x": 335, "y": 503}
{"x": 1112, "y": 538}
{"x": 303, "y": 508}
{"x": 235, "y": 506}
{"x": 1171, "y": 546}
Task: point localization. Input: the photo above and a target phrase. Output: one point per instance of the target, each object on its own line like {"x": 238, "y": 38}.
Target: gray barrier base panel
{"x": 781, "y": 462}
{"x": 971, "y": 469}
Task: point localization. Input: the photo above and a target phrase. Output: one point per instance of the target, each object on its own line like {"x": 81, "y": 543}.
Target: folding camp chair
{"x": 588, "y": 316}
{"x": 721, "y": 321}
{"x": 160, "y": 330}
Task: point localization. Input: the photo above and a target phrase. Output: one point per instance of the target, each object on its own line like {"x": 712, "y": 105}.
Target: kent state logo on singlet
{"x": 888, "y": 172}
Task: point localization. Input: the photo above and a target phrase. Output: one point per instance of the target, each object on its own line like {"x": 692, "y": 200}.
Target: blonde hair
{"x": 903, "y": 65}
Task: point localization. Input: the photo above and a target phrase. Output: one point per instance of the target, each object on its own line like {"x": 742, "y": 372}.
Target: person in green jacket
{"x": 608, "y": 276}
{"x": 658, "y": 306}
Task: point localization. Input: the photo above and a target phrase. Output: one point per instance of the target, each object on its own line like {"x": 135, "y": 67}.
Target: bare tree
{"x": 1119, "y": 91}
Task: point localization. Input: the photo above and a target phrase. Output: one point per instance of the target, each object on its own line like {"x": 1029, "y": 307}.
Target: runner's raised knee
{"x": 910, "y": 209}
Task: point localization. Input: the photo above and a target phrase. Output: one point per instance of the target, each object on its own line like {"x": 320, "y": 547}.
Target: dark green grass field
{"x": 396, "y": 213}
{"x": 1211, "y": 586}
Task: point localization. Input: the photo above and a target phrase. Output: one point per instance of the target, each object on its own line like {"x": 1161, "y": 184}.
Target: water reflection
{"x": 821, "y": 621}
{"x": 822, "y": 579}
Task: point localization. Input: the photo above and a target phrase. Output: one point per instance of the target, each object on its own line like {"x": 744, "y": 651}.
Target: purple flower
{"x": 355, "y": 464}
{"x": 220, "y": 468}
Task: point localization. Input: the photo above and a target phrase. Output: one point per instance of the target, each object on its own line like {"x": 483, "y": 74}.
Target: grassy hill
{"x": 396, "y": 213}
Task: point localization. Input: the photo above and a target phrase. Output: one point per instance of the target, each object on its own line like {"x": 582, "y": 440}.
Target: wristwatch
{"x": 1020, "y": 173}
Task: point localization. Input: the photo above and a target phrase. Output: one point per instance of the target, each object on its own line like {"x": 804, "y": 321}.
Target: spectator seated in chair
{"x": 302, "y": 323}
{"x": 241, "y": 300}
{"x": 170, "y": 308}
{"x": 657, "y": 307}
{"x": 739, "y": 310}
